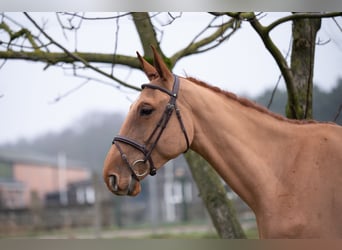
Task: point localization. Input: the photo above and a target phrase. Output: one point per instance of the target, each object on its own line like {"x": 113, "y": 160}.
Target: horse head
{"x": 157, "y": 128}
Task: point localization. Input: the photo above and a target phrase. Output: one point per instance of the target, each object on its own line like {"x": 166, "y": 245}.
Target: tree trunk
{"x": 146, "y": 32}
{"x": 304, "y": 33}
{"x": 214, "y": 196}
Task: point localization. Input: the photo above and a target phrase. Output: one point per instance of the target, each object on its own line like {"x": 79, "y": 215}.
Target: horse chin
{"x": 134, "y": 188}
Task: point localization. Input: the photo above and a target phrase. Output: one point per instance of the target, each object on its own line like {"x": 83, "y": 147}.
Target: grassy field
{"x": 180, "y": 231}
{"x": 251, "y": 234}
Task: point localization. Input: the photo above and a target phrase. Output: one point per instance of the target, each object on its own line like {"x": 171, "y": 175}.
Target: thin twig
{"x": 115, "y": 43}
{"x": 13, "y": 45}
{"x": 337, "y": 24}
{"x": 280, "y": 60}
{"x": 78, "y": 58}
{"x": 62, "y": 26}
{"x": 201, "y": 32}
{"x": 338, "y": 113}
{"x": 300, "y": 16}
{"x": 95, "y": 18}
{"x": 274, "y": 91}
{"x": 195, "y": 47}
{"x": 279, "y": 77}
{"x": 110, "y": 84}
{"x": 320, "y": 43}
{"x": 3, "y": 63}
{"x": 69, "y": 92}
{"x": 173, "y": 18}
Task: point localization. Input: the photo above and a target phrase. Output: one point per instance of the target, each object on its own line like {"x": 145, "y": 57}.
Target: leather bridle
{"x": 157, "y": 132}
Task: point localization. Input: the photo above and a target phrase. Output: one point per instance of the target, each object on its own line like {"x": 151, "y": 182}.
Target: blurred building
{"x": 27, "y": 178}
{"x": 78, "y": 193}
{"x": 41, "y": 193}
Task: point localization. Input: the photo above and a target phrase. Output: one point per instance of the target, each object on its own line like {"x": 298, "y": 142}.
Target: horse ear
{"x": 161, "y": 67}
{"x": 149, "y": 70}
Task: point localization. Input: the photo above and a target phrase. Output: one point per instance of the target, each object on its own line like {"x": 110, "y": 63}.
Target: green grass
{"x": 167, "y": 232}
{"x": 192, "y": 235}
{"x": 250, "y": 234}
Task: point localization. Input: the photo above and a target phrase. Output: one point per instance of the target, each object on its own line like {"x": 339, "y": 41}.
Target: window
{"x": 80, "y": 195}
{"x": 90, "y": 195}
{"x": 6, "y": 171}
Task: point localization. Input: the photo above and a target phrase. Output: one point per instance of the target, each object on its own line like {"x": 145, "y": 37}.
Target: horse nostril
{"x": 113, "y": 182}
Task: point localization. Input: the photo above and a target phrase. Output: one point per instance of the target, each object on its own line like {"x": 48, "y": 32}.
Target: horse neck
{"x": 238, "y": 141}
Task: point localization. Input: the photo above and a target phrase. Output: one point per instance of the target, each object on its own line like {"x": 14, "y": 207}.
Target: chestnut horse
{"x": 289, "y": 172}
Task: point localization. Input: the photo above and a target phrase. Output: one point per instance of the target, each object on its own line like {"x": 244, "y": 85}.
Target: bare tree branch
{"x": 279, "y": 77}
{"x": 337, "y": 113}
{"x": 337, "y": 24}
{"x": 263, "y": 32}
{"x": 146, "y": 33}
{"x": 217, "y": 37}
{"x": 69, "y": 92}
{"x": 63, "y": 57}
{"x": 301, "y": 16}
{"x": 173, "y": 18}
{"x": 3, "y": 63}
{"x": 290, "y": 74}
{"x": 95, "y": 18}
{"x": 281, "y": 62}
{"x": 25, "y": 33}
{"x": 76, "y": 56}
{"x": 250, "y": 15}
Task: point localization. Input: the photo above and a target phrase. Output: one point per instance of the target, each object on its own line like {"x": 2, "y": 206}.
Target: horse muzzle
{"x": 131, "y": 187}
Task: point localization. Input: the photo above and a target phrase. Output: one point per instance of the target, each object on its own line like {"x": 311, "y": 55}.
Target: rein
{"x": 161, "y": 125}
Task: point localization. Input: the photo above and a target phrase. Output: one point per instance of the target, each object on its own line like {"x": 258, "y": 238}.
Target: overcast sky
{"x": 241, "y": 65}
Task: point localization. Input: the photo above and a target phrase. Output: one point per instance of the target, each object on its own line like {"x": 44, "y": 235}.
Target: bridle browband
{"x": 161, "y": 125}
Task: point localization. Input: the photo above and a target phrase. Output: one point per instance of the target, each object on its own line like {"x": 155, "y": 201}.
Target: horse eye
{"x": 146, "y": 111}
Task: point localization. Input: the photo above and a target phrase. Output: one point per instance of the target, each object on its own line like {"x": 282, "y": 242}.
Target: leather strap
{"x": 161, "y": 125}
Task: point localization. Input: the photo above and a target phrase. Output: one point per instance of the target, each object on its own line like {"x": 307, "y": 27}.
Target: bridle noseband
{"x": 161, "y": 125}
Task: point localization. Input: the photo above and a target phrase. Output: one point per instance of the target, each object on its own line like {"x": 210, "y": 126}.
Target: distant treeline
{"x": 87, "y": 140}
{"x": 325, "y": 104}
{"x": 90, "y": 137}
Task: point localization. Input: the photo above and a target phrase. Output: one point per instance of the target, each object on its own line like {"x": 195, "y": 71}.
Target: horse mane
{"x": 247, "y": 103}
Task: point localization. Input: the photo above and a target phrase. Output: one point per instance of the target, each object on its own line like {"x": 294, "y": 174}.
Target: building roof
{"x": 38, "y": 159}
{"x": 11, "y": 183}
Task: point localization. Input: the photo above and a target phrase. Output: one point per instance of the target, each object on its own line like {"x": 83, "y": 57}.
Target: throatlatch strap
{"x": 161, "y": 125}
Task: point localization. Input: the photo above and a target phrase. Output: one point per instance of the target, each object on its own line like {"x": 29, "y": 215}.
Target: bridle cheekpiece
{"x": 161, "y": 125}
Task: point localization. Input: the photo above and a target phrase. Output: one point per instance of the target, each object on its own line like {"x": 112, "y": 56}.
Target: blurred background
{"x": 58, "y": 119}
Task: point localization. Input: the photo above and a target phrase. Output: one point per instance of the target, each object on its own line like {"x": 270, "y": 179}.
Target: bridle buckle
{"x": 171, "y": 105}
